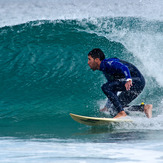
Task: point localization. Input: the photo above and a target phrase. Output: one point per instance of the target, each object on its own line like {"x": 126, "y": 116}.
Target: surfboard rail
{"x": 95, "y": 121}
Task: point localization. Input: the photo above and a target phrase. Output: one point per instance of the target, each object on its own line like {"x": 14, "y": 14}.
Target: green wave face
{"x": 44, "y": 73}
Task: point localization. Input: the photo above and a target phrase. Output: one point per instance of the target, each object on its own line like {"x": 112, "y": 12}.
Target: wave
{"x": 44, "y": 72}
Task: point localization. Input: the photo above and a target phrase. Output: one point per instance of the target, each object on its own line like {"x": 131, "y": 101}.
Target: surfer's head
{"x": 95, "y": 57}
{"x": 97, "y": 53}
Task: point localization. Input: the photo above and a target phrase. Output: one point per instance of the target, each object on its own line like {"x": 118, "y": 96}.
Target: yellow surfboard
{"x": 95, "y": 121}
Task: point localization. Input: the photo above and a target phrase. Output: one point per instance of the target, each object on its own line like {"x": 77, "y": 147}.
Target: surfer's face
{"x": 92, "y": 63}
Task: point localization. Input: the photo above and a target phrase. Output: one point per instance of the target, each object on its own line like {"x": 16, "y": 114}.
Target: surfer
{"x": 121, "y": 77}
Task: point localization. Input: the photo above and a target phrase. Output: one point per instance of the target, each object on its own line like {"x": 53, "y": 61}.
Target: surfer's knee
{"x": 105, "y": 87}
{"x": 107, "y": 92}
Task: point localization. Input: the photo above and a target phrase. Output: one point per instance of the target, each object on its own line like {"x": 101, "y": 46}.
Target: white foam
{"x": 148, "y": 48}
{"x": 139, "y": 119}
{"x": 14, "y": 150}
{"x": 18, "y": 11}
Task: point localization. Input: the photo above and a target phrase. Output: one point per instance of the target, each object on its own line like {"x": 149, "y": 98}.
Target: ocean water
{"x": 44, "y": 76}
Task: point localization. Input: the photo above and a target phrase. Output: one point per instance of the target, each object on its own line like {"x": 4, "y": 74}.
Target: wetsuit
{"x": 117, "y": 72}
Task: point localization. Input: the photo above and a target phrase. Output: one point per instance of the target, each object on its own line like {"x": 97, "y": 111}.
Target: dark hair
{"x": 97, "y": 53}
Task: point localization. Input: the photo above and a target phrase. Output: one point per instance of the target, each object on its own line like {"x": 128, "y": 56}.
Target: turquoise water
{"x": 44, "y": 76}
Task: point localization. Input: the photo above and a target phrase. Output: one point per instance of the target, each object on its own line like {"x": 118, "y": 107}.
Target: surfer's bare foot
{"x": 120, "y": 114}
{"x": 148, "y": 110}
{"x": 104, "y": 109}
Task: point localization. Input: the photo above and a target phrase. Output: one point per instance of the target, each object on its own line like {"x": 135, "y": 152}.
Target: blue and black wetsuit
{"x": 117, "y": 72}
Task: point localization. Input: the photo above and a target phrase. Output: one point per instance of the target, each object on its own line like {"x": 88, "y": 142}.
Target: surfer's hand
{"x": 128, "y": 85}
{"x": 105, "y": 109}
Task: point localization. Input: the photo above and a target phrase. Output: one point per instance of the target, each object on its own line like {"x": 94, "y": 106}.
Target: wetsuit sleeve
{"x": 115, "y": 65}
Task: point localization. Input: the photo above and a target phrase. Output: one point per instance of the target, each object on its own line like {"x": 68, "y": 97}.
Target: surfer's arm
{"x": 123, "y": 68}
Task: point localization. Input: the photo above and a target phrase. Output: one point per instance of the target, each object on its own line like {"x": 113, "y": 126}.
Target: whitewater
{"x": 44, "y": 76}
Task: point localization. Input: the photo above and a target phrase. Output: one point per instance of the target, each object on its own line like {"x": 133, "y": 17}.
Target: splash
{"x": 14, "y": 12}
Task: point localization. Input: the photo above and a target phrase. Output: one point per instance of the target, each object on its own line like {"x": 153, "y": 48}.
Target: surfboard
{"x": 96, "y": 121}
